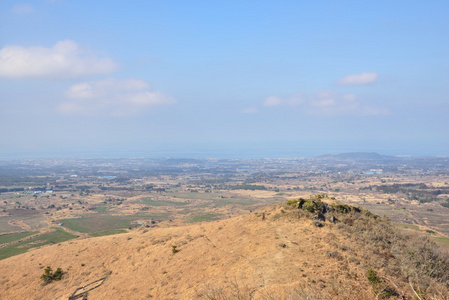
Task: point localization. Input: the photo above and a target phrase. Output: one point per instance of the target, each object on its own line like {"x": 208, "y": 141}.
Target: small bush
{"x": 297, "y": 203}
{"x": 293, "y": 202}
{"x": 369, "y": 214}
{"x": 345, "y": 208}
{"x": 312, "y": 206}
{"x": 49, "y": 275}
{"x": 309, "y": 206}
{"x": 174, "y": 249}
{"x": 379, "y": 286}
{"x": 372, "y": 277}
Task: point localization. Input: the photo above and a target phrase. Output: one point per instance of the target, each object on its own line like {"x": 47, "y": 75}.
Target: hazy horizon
{"x": 224, "y": 152}
{"x": 233, "y": 79}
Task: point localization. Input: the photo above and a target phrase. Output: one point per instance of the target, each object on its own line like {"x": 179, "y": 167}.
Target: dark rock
{"x": 320, "y": 217}
{"x": 333, "y": 219}
{"x": 332, "y": 254}
{"x": 318, "y": 224}
{"x": 282, "y": 245}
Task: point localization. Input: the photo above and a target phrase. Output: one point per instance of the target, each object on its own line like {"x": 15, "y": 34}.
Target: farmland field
{"x": 7, "y": 238}
{"x": 57, "y": 236}
{"x": 104, "y": 197}
{"x": 151, "y": 202}
{"x": 5, "y": 227}
{"x": 197, "y": 196}
{"x": 100, "y": 223}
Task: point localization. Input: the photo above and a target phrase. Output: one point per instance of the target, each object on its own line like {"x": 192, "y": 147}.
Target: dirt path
{"x": 19, "y": 223}
{"x": 81, "y": 235}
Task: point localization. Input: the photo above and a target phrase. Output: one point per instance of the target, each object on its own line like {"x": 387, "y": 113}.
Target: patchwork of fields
{"x": 54, "y": 204}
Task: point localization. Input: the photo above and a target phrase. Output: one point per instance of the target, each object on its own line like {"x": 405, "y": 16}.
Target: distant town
{"x": 49, "y": 200}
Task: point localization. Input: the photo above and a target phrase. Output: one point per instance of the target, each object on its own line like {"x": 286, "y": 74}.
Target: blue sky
{"x": 223, "y": 78}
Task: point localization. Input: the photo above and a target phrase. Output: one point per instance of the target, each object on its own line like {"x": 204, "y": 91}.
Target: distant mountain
{"x": 356, "y": 156}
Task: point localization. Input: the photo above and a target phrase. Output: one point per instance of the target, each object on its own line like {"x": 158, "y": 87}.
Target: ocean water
{"x": 234, "y": 150}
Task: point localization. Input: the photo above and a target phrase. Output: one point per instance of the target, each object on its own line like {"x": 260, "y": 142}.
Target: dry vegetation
{"x": 276, "y": 253}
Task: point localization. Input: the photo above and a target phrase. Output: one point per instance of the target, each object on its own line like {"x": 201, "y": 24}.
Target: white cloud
{"x": 272, "y": 101}
{"x": 330, "y": 103}
{"x": 359, "y": 79}
{"x": 375, "y": 111}
{"x": 117, "y": 97}
{"x": 22, "y": 8}
{"x": 105, "y": 88}
{"x": 249, "y": 110}
{"x": 65, "y": 59}
{"x": 295, "y": 100}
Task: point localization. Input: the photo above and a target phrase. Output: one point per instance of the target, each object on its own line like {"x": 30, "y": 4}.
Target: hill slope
{"x": 276, "y": 253}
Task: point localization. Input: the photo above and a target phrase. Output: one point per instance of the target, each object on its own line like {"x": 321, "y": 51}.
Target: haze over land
{"x": 299, "y": 228}
{"x": 231, "y": 79}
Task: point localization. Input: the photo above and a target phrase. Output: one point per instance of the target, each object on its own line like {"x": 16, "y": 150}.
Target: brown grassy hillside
{"x": 276, "y": 253}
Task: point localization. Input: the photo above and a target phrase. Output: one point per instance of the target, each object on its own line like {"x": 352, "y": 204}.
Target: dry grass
{"x": 282, "y": 257}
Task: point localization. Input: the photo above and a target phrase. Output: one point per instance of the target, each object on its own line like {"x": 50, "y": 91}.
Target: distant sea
{"x": 247, "y": 151}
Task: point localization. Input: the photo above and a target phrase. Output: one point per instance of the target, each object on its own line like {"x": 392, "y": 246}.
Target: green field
{"x": 197, "y": 196}
{"x": 99, "y": 223}
{"x": 203, "y": 218}
{"x": 101, "y": 208}
{"x": 151, "y": 202}
{"x": 57, "y": 236}
{"x": 7, "y": 238}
